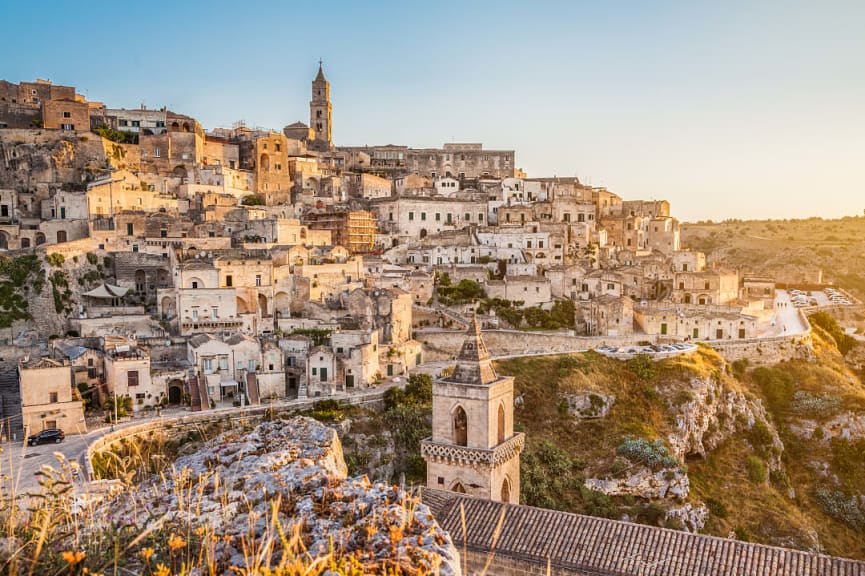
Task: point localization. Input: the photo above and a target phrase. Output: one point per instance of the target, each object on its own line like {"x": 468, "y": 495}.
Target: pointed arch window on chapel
{"x": 461, "y": 425}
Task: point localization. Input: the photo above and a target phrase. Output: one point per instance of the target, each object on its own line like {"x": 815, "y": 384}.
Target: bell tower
{"x": 320, "y": 112}
{"x": 473, "y": 448}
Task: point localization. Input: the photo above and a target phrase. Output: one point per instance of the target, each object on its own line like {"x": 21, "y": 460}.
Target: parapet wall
{"x": 441, "y": 345}
{"x": 192, "y": 420}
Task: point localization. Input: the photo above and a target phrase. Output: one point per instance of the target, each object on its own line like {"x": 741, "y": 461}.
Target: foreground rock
{"x": 286, "y": 482}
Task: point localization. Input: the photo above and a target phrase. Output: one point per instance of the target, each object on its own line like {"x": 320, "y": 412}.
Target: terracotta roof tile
{"x": 596, "y": 546}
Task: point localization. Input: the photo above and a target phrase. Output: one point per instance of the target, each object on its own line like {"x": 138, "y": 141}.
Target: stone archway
{"x": 282, "y": 304}
{"x": 140, "y": 281}
{"x": 262, "y": 305}
{"x": 168, "y": 307}
{"x": 4, "y": 240}
{"x": 458, "y": 487}
{"x": 175, "y": 391}
{"x": 242, "y": 306}
{"x": 264, "y": 162}
{"x": 506, "y": 490}
{"x": 163, "y": 278}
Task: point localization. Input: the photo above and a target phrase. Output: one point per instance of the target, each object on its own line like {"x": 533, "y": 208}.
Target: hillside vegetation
{"x": 778, "y": 246}
{"x": 762, "y": 448}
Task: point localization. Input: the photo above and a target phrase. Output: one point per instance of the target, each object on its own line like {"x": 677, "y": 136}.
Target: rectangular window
{"x": 208, "y": 365}
{"x": 223, "y": 362}
{"x": 423, "y": 216}
{"x": 215, "y": 312}
{"x": 229, "y": 281}
{"x": 258, "y": 279}
{"x": 130, "y": 229}
{"x": 156, "y": 152}
{"x": 52, "y": 397}
{"x": 132, "y": 378}
{"x": 468, "y": 217}
{"x": 67, "y": 115}
{"x": 136, "y": 123}
{"x": 67, "y": 126}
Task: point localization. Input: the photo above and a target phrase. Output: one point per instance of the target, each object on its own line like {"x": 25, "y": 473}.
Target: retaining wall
{"x": 193, "y": 419}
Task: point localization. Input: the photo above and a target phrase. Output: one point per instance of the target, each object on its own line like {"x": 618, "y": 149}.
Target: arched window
{"x": 461, "y": 426}
{"x": 506, "y": 490}
{"x": 687, "y": 298}
{"x": 501, "y": 433}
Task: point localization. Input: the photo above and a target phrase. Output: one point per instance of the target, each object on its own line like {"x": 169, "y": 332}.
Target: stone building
{"x": 696, "y": 322}
{"x": 321, "y": 112}
{"x": 605, "y": 316}
{"x": 473, "y": 448}
{"x": 459, "y": 160}
{"x": 706, "y": 287}
{"x": 353, "y": 229}
{"x": 47, "y": 397}
{"x": 411, "y": 217}
{"x": 530, "y": 290}
{"x": 127, "y": 373}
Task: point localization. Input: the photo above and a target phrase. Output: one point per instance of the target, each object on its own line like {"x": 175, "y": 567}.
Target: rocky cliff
{"x": 770, "y": 454}
{"x": 277, "y": 495}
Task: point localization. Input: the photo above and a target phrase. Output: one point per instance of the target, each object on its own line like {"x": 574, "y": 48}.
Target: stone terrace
{"x": 531, "y": 539}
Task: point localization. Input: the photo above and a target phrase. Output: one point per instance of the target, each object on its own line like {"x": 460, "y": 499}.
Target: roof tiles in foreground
{"x": 585, "y": 545}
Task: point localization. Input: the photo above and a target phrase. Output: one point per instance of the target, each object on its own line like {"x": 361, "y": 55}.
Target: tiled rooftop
{"x": 587, "y": 545}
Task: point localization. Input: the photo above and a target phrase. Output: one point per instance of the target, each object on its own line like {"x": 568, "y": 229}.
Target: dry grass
{"x": 56, "y": 532}
{"x": 760, "y": 511}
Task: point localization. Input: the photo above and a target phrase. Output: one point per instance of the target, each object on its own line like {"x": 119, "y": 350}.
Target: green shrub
{"x": 651, "y": 454}
{"x": 842, "y": 507}
{"x": 844, "y": 342}
{"x": 777, "y": 385}
{"x": 716, "y": 508}
{"x": 643, "y": 367}
{"x": 252, "y": 200}
{"x": 756, "y": 469}
{"x": 56, "y": 259}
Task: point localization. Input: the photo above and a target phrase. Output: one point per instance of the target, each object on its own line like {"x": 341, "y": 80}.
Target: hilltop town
{"x": 153, "y": 268}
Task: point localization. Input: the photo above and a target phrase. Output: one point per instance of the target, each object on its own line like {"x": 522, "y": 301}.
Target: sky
{"x": 727, "y": 109}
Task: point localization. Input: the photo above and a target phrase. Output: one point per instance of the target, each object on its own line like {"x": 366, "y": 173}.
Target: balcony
{"x": 211, "y": 324}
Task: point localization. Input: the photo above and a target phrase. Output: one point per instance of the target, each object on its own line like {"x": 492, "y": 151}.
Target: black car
{"x": 49, "y": 436}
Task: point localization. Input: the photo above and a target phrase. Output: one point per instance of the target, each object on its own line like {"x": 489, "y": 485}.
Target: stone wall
{"x": 252, "y": 414}
{"x": 438, "y": 345}
{"x": 766, "y": 350}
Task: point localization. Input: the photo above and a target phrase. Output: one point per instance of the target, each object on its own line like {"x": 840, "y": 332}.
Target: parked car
{"x": 48, "y": 436}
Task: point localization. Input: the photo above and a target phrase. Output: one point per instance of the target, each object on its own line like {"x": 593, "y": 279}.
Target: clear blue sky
{"x": 727, "y": 109}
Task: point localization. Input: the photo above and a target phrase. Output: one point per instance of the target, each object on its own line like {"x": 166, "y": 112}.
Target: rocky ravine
{"x": 291, "y": 474}
{"x": 706, "y": 413}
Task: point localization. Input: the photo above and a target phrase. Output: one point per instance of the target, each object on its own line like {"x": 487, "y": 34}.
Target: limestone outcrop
{"x": 291, "y": 474}
{"x": 644, "y": 483}
{"x": 711, "y": 413}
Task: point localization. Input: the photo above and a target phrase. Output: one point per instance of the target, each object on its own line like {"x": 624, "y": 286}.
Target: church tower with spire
{"x": 473, "y": 448}
{"x": 320, "y": 112}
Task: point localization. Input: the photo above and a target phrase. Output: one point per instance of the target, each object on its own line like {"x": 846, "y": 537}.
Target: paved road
{"x": 787, "y": 321}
